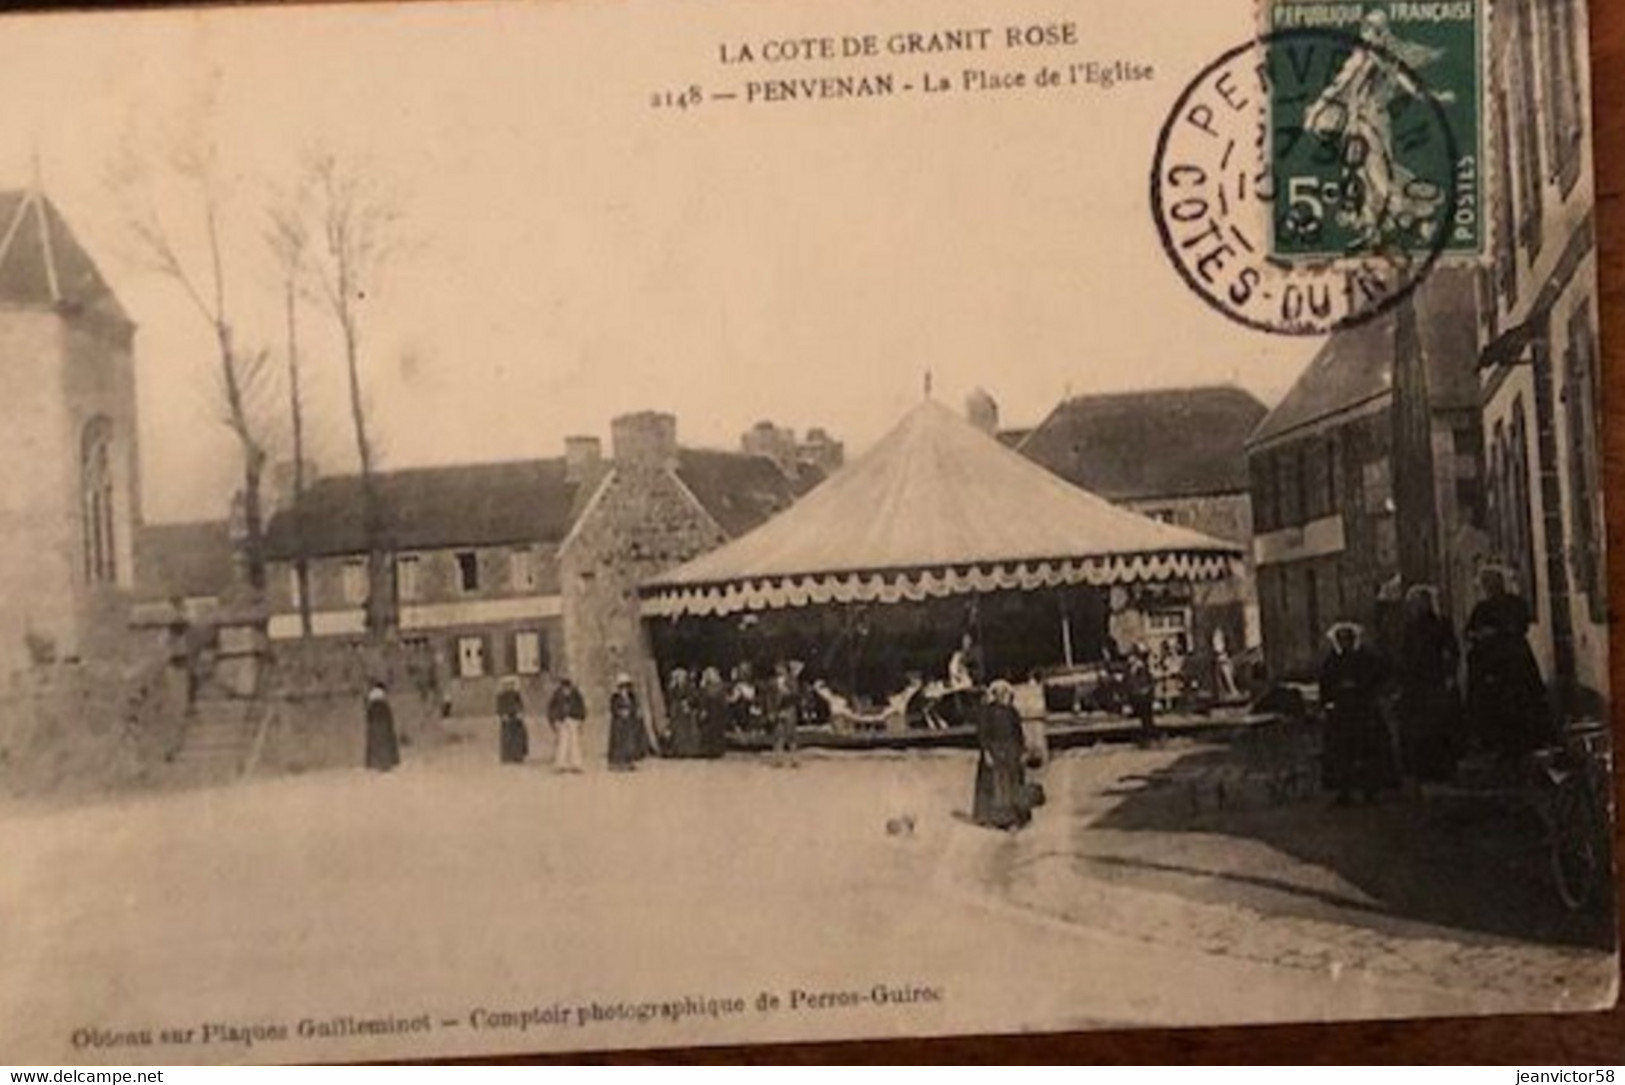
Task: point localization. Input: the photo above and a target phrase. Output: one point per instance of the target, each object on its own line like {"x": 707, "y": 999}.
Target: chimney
{"x": 644, "y": 441}
{"x": 982, "y": 410}
{"x": 582, "y": 458}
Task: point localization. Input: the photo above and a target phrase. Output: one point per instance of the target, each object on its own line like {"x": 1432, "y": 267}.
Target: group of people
{"x": 566, "y": 713}
{"x": 1504, "y": 712}
{"x": 699, "y": 714}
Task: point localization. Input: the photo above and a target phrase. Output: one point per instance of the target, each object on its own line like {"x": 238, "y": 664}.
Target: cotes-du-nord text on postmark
{"x": 1309, "y": 180}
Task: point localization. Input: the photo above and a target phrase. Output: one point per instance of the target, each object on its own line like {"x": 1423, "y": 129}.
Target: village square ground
{"x": 457, "y": 895}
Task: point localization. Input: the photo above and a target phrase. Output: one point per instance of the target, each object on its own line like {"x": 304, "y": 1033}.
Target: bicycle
{"x": 1575, "y": 782}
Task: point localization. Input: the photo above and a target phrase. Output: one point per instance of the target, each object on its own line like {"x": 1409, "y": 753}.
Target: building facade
{"x": 1541, "y": 371}
{"x": 814, "y": 456}
{"x": 1358, "y": 492}
{"x": 1175, "y": 455}
{"x": 526, "y": 569}
{"x": 71, "y": 517}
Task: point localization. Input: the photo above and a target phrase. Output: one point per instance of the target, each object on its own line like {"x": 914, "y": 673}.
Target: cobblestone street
{"x": 1415, "y": 891}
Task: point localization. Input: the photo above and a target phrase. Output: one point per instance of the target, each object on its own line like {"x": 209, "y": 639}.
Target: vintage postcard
{"x": 538, "y": 527}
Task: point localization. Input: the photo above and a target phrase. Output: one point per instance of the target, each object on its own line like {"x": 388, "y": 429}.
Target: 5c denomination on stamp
{"x": 1292, "y": 252}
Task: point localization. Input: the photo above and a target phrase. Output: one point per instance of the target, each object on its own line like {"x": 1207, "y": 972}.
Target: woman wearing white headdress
{"x": 1359, "y": 752}
{"x": 514, "y": 744}
{"x": 383, "y": 747}
{"x": 1001, "y": 799}
{"x": 628, "y": 741}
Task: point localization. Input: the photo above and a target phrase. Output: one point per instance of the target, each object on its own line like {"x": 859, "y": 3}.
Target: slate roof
{"x": 1354, "y": 367}
{"x": 525, "y": 501}
{"x": 1181, "y": 442}
{"x": 42, "y": 264}
{"x": 424, "y": 508}
{"x": 739, "y": 491}
{"x": 184, "y": 560}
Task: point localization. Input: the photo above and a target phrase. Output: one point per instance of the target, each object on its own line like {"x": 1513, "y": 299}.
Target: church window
{"x": 96, "y": 497}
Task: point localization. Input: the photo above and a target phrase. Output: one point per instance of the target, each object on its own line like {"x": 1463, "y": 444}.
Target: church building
{"x": 70, "y": 507}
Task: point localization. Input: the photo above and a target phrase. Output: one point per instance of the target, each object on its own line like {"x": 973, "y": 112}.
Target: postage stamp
{"x": 1352, "y": 147}
{"x": 1318, "y": 223}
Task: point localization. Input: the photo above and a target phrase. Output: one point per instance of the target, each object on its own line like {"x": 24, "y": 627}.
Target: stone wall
{"x": 642, "y": 521}
{"x": 90, "y": 729}
{"x": 62, "y": 373}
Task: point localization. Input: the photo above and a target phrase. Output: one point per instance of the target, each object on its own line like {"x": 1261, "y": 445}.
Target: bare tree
{"x": 354, "y": 225}
{"x": 289, "y": 239}
{"x": 244, "y": 379}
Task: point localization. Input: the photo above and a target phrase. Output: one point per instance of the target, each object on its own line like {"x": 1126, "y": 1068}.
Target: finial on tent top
{"x": 927, "y": 384}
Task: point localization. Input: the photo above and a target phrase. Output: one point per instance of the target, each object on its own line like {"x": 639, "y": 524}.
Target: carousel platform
{"x": 1061, "y": 732}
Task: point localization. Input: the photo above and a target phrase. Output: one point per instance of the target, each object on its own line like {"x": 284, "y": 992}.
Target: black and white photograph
{"x": 578, "y": 526}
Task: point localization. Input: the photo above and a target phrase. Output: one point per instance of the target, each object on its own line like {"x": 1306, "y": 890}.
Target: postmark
{"x": 1333, "y": 203}
{"x": 1295, "y": 253}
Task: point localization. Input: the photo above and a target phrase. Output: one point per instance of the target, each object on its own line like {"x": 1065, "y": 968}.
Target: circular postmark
{"x": 1305, "y": 181}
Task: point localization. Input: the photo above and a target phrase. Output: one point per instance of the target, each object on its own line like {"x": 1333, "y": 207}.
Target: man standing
{"x": 1141, "y": 686}
{"x": 567, "y": 711}
{"x": 786, "y": 712}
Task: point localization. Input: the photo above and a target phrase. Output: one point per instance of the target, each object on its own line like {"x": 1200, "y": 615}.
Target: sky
{"x": 564, "y": 252}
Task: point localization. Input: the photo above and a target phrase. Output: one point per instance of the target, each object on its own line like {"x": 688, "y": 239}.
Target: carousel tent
{"x": 937, "y": 508}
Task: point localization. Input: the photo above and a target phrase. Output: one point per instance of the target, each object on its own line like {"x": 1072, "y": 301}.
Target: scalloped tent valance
{"x": 936, "y": 508}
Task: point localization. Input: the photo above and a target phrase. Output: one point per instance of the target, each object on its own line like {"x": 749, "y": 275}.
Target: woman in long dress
{"x": 1001, "y": 799}
{"x": 713, "y": 714}
{"x": 383, "y": 748}
{"x": 1505, "y": 693}
{"x": 1429, "y": 710}
{"x": 628, "y": 741}
{"x": 515, "y": 741}
{"x": 683, "y": 709}
{"x": 1359, "y": 752}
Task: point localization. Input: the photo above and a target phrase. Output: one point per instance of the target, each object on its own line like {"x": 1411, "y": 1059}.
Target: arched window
{"x": 96, "y": 501}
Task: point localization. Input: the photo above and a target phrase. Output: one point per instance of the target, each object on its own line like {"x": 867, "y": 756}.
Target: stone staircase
{"x": 219, "y": 743}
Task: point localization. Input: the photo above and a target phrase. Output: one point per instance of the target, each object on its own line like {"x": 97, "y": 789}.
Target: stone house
{"x": 1540, "y": 375}
{"x": 1177, "y": 455}
{"x": 1358, "y": 491}
{"x": 184, "y": 567}
{"x": 71, "y": 507}
{"x": 525, "y": 568}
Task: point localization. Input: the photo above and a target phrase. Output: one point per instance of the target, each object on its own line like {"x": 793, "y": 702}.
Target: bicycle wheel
{"x": 1579, "y": 859}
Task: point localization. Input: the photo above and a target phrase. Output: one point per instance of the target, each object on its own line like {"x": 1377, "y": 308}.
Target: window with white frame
{"x": 470, "y": 657}
{"x": 354, "y": 581}
{"x": 406, "y": 577}
{"x": 527, "y": 652}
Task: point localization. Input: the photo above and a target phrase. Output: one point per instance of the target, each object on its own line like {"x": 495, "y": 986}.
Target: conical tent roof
{"x": 936, "y": 508}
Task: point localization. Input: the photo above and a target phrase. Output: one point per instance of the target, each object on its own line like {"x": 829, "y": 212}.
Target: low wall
{"x": 85, "y": 729}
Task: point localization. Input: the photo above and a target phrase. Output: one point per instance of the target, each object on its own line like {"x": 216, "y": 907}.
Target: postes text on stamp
{"x": 1227, "y": 187}
{"x": 1351, "y": 148}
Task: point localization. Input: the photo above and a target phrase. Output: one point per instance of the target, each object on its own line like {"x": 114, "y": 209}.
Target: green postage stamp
{"x": 1381, "y": 146}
